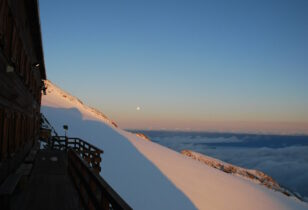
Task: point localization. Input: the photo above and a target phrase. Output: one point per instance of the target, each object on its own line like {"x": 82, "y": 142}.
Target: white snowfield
{"x": 149, "y": 176}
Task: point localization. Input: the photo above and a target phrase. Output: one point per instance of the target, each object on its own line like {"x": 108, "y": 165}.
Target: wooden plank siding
{"x": 20, "y": 80}
{"x": 4, "y": 146}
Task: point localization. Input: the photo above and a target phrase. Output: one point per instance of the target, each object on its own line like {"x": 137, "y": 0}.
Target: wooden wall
{"x": 21, "y": 74}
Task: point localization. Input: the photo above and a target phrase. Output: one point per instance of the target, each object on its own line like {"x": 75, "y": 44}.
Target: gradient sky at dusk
{"x": 193, "y": 64}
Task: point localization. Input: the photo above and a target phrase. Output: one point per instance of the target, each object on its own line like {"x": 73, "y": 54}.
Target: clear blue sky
{"x": 193, "y": 64}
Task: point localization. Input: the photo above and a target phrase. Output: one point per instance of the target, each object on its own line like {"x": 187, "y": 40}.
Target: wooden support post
{"x": 105, "y": 203}
{"x": 66, "y": 143}
{"x": 4, "y": 147}
{"x": 1, "y": 127}
{"x": 75, "y": 144}
{"x": 8, "y": 27}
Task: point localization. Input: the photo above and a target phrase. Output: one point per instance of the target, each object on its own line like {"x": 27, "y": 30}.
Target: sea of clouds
{"x": 285, "y": 161}
{"x": 288, "y": 165}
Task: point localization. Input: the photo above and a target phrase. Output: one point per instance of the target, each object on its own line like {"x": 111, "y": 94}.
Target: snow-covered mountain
{"x": 56, "y": 96}
{"x": 150, "y": 176}
{"x": 252, "y": 175}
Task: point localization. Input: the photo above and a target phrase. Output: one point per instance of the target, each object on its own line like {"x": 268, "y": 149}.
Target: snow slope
{"x": 252, "y": 175}
{"x": 150, "y": 176}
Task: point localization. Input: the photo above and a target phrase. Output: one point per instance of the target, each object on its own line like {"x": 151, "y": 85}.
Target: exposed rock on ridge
{"x": 143, "y": 136}
{"x": 254, "y": 175}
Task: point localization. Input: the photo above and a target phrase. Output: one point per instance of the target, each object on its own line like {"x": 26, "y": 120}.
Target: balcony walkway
{"x": 49, "y": 186}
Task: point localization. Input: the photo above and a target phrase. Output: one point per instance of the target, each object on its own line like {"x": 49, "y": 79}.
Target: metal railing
{"x": 94, "y": 191}
{"x": 84, "y": 166}
{"x": 90, "y": 153}
{"x": 48, "y": 125}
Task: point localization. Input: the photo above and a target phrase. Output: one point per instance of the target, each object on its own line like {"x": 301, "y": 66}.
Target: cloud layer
{"x": 284, "y": 158}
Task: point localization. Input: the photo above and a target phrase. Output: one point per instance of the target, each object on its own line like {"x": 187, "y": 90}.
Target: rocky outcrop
{"x": 253, "y": 175}
{"x": 144, "y": 137}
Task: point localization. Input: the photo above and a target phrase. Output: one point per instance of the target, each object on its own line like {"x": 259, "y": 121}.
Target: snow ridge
{"x": 250, "y": 174}
{"x": 52, "y": 88}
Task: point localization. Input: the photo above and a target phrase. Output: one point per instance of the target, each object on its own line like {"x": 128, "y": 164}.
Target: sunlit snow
{"x": 150, "y": 176}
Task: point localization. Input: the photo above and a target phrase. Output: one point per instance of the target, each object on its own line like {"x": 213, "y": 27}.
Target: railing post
{"x": 52, "y": 143}
{"x": 66, "y": 143}
{"x": 75, "y": 144}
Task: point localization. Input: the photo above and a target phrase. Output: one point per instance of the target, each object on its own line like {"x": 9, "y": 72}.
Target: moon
{"x": 138, "y": 108}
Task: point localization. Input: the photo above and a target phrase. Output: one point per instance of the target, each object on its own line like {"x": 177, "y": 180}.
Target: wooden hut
{"x": 22, "y": 71}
